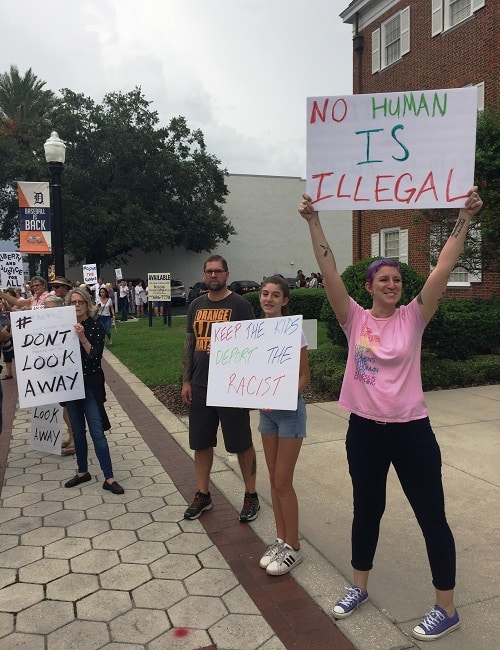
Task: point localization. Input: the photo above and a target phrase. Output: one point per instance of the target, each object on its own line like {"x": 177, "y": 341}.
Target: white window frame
{"x": 473, "y": 276}
{"x": 378, "y": 244}
{"x": 441, "y": 14}
{"x": 379, "y": 61}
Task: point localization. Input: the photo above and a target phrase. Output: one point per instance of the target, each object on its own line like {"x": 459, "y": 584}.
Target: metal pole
{"x": 56, "y": 169}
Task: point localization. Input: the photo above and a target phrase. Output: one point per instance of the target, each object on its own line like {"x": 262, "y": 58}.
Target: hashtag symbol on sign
{"x": 22, "y": 322}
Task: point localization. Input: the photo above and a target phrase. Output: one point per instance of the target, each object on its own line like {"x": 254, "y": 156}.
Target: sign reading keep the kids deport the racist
{"x": 11, "y": 270}
{"x": 47, "y": 351}
{"x": 389, "y": 151}
{"x": 255, "y": 363}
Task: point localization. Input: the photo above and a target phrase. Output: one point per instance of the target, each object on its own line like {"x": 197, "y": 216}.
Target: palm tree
{"x": 24, "y": 105}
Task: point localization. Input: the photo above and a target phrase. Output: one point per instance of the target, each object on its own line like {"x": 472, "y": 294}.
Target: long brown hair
{"x": 280, "y": 282}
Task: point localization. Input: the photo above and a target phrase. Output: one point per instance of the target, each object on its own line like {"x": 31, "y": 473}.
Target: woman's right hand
{"x": 306, "y": 209}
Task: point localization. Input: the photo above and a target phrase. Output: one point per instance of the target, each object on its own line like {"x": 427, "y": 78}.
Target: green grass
{"x": 154, "y": 354}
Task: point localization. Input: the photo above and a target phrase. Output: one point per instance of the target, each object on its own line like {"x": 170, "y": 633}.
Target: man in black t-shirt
{"x": 216, "y": 306}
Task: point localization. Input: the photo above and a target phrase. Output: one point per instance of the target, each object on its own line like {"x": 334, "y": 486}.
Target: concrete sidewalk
{"x": 85, "y": 568}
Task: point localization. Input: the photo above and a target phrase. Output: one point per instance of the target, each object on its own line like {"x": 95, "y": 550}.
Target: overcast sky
{"x": 240, "y": 70}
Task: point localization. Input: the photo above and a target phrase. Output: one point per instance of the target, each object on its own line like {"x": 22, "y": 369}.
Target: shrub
{"x": 462, "y": 329}
{"x": 354, "y": 278}
{"x": 308, "y": 302}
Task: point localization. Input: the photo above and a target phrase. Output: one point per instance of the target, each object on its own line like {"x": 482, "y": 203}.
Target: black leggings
{"x": 413, "y": 450}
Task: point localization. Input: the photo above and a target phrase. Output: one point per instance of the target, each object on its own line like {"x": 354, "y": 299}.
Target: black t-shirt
{"x": 201, "y": 314}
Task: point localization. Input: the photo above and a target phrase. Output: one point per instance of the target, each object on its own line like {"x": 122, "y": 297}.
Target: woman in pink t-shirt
{"x": 382, "y": 389}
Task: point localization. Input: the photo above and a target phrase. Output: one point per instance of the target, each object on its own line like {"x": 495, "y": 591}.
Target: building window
{"x": 448, "y": 13}
{"x": 390, "y": 242}
{"x": 391, "y": 40}
{"x": 469, "y": 266}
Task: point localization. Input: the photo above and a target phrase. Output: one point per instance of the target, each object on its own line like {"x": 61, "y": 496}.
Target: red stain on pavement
{"x": 180, "y": 632}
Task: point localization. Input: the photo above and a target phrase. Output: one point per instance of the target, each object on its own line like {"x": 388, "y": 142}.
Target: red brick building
{"x": 405, "y": 45}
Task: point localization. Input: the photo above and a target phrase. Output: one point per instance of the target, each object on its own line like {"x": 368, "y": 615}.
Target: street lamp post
{"x": 55, "y": 155}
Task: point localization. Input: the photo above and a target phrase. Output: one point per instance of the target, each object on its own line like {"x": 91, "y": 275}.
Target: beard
{"x": 216, "y": 285}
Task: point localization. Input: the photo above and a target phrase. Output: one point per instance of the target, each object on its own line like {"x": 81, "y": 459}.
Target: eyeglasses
{"x": 78, "y": 302}
{"x": 214, "y": 271}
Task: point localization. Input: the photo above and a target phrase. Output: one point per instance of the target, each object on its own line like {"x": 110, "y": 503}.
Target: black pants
{"x": 413, "y": 450}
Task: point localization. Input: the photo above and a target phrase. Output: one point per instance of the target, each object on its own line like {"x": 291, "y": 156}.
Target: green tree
{"x": 128, "y": 183}
{"x": 488, "y": 181}
{"x": 482, "y": 246}
{"x": 24, "y": 105}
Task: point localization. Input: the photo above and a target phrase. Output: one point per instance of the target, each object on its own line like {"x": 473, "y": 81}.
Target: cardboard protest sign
{"x": 386, "y": 151}
{"x": 47, "y": 351}
{"x": 89, "y": 274}
{"x": 46, "y": 422}
{"x": 159, "y": 287}
{"x": 11, "y": 270}
{"x": 255, "y": 363}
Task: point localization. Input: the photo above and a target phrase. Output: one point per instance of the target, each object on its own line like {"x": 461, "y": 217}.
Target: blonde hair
{"x": 91, "y": 309}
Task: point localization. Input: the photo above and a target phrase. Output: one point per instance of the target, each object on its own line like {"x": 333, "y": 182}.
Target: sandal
{"x": 69, "y": 451}
{"x": 65, "y": 444}
{"x": 6, "y": 377}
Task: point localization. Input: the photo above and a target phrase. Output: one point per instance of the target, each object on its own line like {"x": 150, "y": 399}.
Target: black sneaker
{"x": 201, "y": 502}
{"x": 251, "y": 507}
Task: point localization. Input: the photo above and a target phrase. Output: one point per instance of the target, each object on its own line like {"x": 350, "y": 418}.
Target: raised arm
{"x": 435, "y": 286}
{"x": 333, "y": 283}
{"x": 15, "y": 302}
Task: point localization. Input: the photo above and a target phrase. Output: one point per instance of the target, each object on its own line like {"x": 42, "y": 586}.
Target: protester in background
{"x": 91, "y": 408}
{"x": 131, "y": 298}
{"x": 313, "y": 281}
{"x": 97, "y": 287}
{"x": 61, "y": 287}
{"x": 389, "y": 423}
{"x": 67, "y": 446}
{"x": 300, "y": 279}
{"x": 139, "y": 304}
{"x": 218, "y": 305}
{"x": 282, "y": 435}
{"x": 3, "y": 338}
{"x": 105, "y": 312}
{"x": 123, "y": 300}
{"x": 6, "y": 343}
{"x": 38, "y": 287}
{"x": 111, "y": 292}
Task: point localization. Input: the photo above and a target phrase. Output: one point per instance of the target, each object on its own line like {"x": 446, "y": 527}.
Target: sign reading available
{"x": 387, "y": 151}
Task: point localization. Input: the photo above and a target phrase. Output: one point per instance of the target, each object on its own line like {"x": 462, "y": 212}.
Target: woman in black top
{"x": 90, "y": 409}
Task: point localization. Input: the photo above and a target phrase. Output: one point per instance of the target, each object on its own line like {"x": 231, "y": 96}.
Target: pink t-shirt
{"x": 382, "y": 379}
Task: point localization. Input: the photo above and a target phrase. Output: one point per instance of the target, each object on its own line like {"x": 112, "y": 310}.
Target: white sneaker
{"x": 271, "y": 553}
{"x": 284, "y": 562}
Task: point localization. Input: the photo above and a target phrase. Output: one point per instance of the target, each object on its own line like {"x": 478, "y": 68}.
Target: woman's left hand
{"x": 473, "y": 203}
{"x": 79, "y": 330}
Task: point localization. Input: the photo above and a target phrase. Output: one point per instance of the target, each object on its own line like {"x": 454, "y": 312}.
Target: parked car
{"x": 243, "y": 286}
{"x": 196, "y": 290}
{"x": 177, "y": 292}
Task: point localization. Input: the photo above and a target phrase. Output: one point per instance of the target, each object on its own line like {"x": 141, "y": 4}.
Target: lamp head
{"x": 55, "y": 149}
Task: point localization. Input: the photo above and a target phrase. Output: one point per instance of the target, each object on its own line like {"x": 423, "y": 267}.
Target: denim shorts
{"x": 287, "y": 424}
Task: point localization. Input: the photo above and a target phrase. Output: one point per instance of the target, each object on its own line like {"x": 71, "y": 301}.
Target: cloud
{"x": 239, "y": 71}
